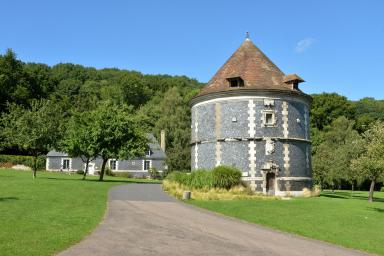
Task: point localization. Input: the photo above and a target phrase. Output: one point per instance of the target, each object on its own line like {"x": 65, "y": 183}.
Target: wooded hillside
{"x": 162, "y": 102}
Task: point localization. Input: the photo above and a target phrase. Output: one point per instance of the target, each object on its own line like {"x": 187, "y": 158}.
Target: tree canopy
{"x": 36, "y": 129}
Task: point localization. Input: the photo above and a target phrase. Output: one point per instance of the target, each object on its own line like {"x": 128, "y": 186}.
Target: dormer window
{"x": 293, "y": 81}
{"x": 148, "y": 153}
{"x": 235, "y": 82}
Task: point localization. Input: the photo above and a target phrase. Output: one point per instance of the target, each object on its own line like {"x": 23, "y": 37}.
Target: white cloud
{"x": 304, "y": 44}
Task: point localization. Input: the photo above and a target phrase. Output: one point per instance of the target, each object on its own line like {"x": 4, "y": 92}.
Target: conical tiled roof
{"x": 255, "y": 69}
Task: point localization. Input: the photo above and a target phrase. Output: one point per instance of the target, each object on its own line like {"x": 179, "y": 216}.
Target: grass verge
{"x": 332, "y": 217}
{"x": 48, "y": 214}
{"x": 236, "y": 193}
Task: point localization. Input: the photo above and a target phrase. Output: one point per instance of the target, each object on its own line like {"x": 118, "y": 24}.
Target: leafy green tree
{"x": 41, "y": 82}
{"x": 116, "y": 133}
{"x": 134, "y": 90}
{"x": 371, "y": 162}
{"x": 35, "y": 130}
{"x": 14, "y": 82}
{"x": 326, "y": 107}
{"x": 78, "y": 140}
{"x": 331, "y": 163}
{"x": 368, "y": 110}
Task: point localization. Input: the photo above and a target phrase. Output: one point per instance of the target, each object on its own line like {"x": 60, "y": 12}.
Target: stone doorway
{"x": 270, "y": 183}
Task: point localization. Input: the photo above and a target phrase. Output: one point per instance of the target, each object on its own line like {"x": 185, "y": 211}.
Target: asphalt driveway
{"x": 143, "y": 220}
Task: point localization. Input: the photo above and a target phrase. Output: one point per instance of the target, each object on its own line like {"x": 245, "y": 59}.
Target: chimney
{"x": 162, "y": 140}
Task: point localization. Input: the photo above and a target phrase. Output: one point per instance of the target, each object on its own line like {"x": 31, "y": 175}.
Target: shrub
{"x": 226, "y": 177}
{"x": 197, "y": 179}
{"x": 382, "y": 189}
{"x": 201, "y": 179}
{"x": 10, "y": 160}
{"x": 80, "y": 171}
{"x": 109, "y": 172}
{"x": 154, "y": 173}
{"x": 179, "y": 177}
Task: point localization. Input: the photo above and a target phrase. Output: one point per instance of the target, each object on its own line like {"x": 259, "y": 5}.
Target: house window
{"x": 147, "y": 165}
{"x": 66, "y": 164}
{"x": 235, "y": 82}
{"x": 113, "y": 164}
{"x": 269, "y": 119}
{"x": 149, "y": 153}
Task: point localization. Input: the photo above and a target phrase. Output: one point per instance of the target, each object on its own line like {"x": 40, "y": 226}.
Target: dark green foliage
{"x": 162, "y": 101}
{"x": 225, "y": 177}
{"x": 24, "y": 160}
{"x": 326, "y": 107}
{"x": 368, "y": 110}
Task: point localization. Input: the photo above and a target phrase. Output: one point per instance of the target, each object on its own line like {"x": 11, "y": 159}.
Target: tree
{"x": 78, "y": 140}
{"x": 326, "y": 107}
{"x": 35, "y": 129}
{"x": 171, "y": 112}
{"x": 341, "y": 144}
{"x": 368, "y": 110}
{"x": 371, "y": 162}
{"x": 116, "y": 133}
{"x": 14, "y": 82}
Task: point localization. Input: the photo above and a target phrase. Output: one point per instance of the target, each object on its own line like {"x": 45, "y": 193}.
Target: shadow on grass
{"x": 377, "y": 209}
{"x": 2, "y": 199}
{"x": 348, "y": 195}
{"x": 105, "y": 180}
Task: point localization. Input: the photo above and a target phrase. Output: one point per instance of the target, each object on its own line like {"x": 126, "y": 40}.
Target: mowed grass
{"x": 48, "y": 214}
{"x": 332, "y": 217}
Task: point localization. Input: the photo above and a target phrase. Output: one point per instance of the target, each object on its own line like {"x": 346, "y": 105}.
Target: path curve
{"x": 143, "y": 220}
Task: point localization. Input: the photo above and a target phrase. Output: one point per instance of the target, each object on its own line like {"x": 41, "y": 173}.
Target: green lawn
{"x": 332, "y": 217}
{"x": 50, "y": 213}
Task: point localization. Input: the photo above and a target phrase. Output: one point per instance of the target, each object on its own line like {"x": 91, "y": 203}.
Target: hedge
{"x": 10, "y": 160}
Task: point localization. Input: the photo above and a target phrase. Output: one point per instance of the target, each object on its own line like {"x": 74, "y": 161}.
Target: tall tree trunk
{"x": 371, "y": 188}
{"x": 86, "y": 169}
{"x": 34, "y": 166}
{"x": 103, "y": 169}
{"x": 352, "y": 188}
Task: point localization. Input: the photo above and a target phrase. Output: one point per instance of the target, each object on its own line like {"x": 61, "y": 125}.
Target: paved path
{"x": 142, "y": 220}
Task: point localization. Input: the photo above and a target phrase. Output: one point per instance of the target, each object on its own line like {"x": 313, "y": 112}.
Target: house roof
{"x": 156, "y": 151}
{"x": 56, "y": 153}
{"x": 256, "y": 70}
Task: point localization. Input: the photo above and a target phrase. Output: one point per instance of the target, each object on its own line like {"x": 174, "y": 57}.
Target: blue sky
{"x": 336, "y": 46}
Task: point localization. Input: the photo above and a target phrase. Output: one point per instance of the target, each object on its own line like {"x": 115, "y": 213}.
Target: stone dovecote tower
{"x": 252, "y": 116}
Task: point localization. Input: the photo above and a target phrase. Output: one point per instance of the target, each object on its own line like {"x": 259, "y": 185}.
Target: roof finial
{"x": 247, "y": 35}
